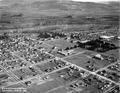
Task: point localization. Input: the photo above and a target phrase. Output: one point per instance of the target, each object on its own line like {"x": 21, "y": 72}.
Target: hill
{"x": 29, "y": 13}
{"x": 58, "y": 7}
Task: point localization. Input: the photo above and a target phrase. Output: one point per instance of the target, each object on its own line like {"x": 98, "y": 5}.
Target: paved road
{"x": 94, "y": 73}
{"x": 91, "y": 72}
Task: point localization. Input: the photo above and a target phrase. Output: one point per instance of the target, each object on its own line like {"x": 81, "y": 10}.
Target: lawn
{"x": 79, "y": 60}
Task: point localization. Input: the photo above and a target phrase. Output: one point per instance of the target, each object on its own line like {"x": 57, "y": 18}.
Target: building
{"x": 65, "y": 53}
{"x": 99, "y": 56}
{"x": 84, "y": 41}
{"x": 118, "y": 37}
{"x": 107, "y": 37}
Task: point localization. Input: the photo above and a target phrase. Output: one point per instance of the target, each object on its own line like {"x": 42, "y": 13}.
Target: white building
{"x": 119, "y": 37}
{"x": 65, "y": 53}
{"x": 107, "y": 37}
{"x": 99, "y": 56}
{"x": 84, "y": 41}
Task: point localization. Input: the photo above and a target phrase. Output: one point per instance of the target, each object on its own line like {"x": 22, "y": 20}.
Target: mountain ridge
{"x": 51, "y": 7}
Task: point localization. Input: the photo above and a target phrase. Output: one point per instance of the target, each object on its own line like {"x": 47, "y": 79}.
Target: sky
{"x": 95, "y": 0}
{"x": 90, "y": 0}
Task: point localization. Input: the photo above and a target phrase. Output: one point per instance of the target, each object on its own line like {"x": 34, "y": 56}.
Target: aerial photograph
{"x": 59, "y": 46}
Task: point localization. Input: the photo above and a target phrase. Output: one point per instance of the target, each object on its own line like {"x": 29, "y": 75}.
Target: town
{"x": 43, "y": 58}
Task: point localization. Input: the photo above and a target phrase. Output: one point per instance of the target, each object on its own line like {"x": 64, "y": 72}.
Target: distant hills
{"x": 58, "y": 7}
{"x": 30, "y": 13}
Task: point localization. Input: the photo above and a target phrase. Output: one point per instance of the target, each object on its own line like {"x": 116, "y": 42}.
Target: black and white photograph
{"x": 59, "y": 46}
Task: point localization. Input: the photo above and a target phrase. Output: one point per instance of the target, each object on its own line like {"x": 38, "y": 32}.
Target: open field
{"x": 45, "y": 87}
{"x": 60, "y": 43}
{"x": 59, "y": 90}
{"x": 86, "y": 61}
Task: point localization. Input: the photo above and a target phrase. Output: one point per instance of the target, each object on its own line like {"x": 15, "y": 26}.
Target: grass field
{"x": 115, "y": 53}
{"x": 79, "y": 59}
{"x": 16, "y": 86}
{"x": 45, "y": 87}
{"x": 59, "y": 90}
{"x": 61, "y": 43}
{"x": 42, "y": 88}
{"x": 84, "y": 61}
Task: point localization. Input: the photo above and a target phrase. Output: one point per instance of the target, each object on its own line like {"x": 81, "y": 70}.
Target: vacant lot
{"x": 59, "y": 90}
{"x": 86, "y": 62}
{"x": 115, "y": 53}
{"x": 61, "y": 43}
{"x": 79, "y": 59}
{"x": 45, "y": 87}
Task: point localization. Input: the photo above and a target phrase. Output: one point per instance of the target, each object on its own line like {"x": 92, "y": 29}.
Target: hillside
{"x": 28, "y": 13}
{"x": 57, "y": 7}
